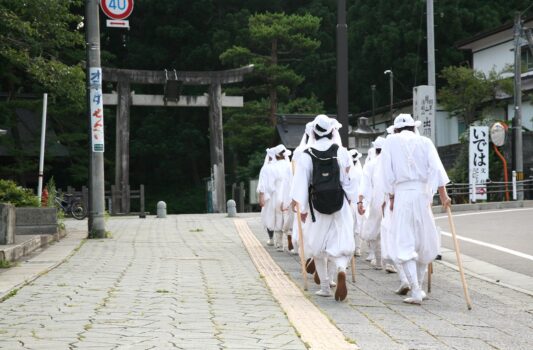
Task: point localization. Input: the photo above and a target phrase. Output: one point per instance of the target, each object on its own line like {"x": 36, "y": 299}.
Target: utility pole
{"x": 517, "y": 120}
{"x": 430, "y": 32}
{"x": 430, "y": 43}
{"x": 96, "y": 226}
{"x": 391, "y": 88}
{"x": 342, "y": 70}
{"x": 373, "y": 87}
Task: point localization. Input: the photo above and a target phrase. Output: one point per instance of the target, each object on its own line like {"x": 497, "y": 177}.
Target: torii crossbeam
{"x": 215, "y": 100}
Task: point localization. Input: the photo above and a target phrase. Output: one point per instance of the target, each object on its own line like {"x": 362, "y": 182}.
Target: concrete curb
{"x": 486, "y": 206}
{"x": 21, "y": 281}
{"x": 14, "y": 252}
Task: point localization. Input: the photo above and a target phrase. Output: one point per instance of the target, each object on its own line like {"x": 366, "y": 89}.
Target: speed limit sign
{"x": 117, "y": 9}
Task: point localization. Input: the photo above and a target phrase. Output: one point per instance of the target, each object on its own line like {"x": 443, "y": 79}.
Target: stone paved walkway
{"x": 187, "y": 282}
{"x": 183, "y": 282}
{"x": 377, "y": 319}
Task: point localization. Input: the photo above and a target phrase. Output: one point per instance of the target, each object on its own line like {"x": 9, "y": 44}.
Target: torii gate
{"x": 215, "y": 100}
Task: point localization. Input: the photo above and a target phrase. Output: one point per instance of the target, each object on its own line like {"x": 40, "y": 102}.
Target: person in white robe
{"x": 273, "y": 188}
{"x": 356, "y": 174}
{"x": 370, "y": 204}
{"x": 329, "y": 237}
{"x": 412, "y": 173}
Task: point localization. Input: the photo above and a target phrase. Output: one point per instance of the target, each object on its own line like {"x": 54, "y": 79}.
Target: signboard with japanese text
{"x": 479, "y": 161}
{"x": 97, "y": 109}
{"x": 425, "y": 109}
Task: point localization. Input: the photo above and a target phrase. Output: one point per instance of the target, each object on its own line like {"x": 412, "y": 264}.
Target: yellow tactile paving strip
{"x": 315, "y": 328}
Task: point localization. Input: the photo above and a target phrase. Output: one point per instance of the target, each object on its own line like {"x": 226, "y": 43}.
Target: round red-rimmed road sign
{"x": 117, "y": 9}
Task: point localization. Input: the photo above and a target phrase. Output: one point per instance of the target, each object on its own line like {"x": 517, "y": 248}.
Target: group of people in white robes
{"x": 386, "y": 203}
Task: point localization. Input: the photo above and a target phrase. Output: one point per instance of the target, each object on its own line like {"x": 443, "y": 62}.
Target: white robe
{"x": 329, "y": 236}
{"x": 372, "y": 190}
{"x": 413, "y": 171}
{"x": 356, "y": 175}
{"x": 274, "y": 183}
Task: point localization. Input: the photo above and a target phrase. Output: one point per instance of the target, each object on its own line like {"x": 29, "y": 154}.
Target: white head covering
{"x": 378, "y": 142}
{"x": 355, "y": 154}
{"x": 403, "y": 120}
{"x": 271, "y": 153}
{"x": 307, "y": 136}
{"x": 323, "y": 125}
{"x": 371, "y": 154}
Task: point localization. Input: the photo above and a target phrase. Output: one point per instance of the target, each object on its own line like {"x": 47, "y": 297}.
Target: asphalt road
{"x": 501, "y": 237}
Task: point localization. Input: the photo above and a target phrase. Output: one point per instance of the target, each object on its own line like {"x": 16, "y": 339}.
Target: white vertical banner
{"x": 97, "y": 109}
{"x": 424, "y": 109}
{"x": 478, "y": 170}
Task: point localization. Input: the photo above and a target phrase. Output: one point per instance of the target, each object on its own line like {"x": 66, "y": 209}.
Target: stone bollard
{"x": 161, "y": 210}
{"x": 232, "y": 208}
{"x": 7, "y": 224}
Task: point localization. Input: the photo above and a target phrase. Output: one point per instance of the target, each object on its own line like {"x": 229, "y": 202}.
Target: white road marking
{"x": 492, "y": 246}
{"x": 483, "y": 212}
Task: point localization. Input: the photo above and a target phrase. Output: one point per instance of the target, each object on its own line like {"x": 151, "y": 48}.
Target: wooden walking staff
{"x": 300, "y": 238}
{"x": 459, "y": 261}
{"x": 353, "y": 269}
{"x": 430, "y": 272}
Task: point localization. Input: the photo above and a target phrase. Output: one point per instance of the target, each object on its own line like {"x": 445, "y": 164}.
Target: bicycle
{"x": 71, "y": 205}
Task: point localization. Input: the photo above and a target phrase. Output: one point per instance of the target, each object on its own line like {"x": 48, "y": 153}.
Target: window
{"x": 527, "y": 60}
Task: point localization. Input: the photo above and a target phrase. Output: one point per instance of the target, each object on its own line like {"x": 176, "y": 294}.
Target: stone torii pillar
{"x": 215, "y": 100}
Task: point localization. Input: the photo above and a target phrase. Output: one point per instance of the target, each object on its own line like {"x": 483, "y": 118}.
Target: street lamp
{"x": 391, "y": 77}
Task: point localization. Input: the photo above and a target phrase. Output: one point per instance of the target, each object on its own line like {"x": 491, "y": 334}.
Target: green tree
{"x": 276, "y": 39}
{"x": 468, "y": 93}
{"x": 42, "y": 40}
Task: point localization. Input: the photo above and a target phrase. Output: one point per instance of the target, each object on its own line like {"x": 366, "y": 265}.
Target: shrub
{"x": 10, "y": 192}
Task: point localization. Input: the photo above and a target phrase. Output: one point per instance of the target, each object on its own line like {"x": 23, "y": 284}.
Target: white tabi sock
{"x": 421, "y": 270}
{"x": 401, "y": 273}
{"x": 278, "y": 239}
{"x": 332, "y": 271}
{"x": 322, "y": 270}
{"x": 409, "y": 268}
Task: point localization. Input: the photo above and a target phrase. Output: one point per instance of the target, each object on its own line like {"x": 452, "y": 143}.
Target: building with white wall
{"x": 494, "y": 50}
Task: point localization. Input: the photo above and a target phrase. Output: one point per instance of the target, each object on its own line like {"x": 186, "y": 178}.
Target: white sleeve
{"x": 365, "y": 187}
{"x": 386, "y": 169}
{"x": 437, "y": 176}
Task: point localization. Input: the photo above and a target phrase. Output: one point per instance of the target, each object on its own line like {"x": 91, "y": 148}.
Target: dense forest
{"x": 42, "y": 50}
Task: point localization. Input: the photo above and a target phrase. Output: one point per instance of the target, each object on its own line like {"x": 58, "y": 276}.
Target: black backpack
{"x": 325, "y": 192}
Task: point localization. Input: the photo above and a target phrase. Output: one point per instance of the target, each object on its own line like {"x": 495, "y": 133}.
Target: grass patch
{"x": 108, "y": 234}
{"x": 162, "y": 291}
{"x": 88, "y": 326}
{"x": 4, "y": 264}
{"x": 10, "y": 295}
{"x": 196, "y": 230}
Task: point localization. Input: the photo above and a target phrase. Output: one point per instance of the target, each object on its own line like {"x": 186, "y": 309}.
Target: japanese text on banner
{"x": 97, "y": 109}
{"x": 479, "y": 160}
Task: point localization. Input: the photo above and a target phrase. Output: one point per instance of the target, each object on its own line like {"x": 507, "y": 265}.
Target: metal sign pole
{"x": 43, "y": 143}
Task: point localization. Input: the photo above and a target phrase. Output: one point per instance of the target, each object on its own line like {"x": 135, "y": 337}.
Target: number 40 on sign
{"x": 117, "y": 11}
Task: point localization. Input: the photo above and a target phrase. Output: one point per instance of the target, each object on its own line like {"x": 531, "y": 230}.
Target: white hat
{"x": 355, "y": 154}
{"x": 378, "y": 142}
{"x": 323, "y": 125}
{"x": 403, "y": 120}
